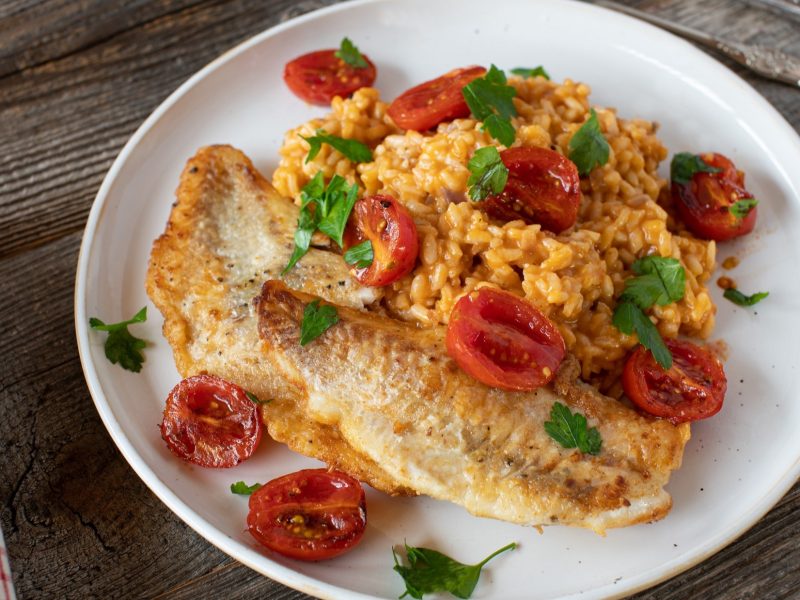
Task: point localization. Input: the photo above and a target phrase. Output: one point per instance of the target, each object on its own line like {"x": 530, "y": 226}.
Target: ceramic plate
{"x": 737, "y": 464}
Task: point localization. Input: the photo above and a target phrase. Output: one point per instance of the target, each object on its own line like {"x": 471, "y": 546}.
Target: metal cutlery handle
{"x": 766, "y": 62}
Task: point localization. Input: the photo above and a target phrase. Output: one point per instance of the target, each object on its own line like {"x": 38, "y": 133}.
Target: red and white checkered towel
{"x": 6, "y": 585}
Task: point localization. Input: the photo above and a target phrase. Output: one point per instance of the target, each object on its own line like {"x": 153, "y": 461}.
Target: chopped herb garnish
{"x": 741, "y": 208}
{"x": 570, "y": 430}
{"x": 350, "y": 54}
{"x": 351, "y": 149}
{"x": 429, "y": 571}
{"x": 685, "y": 164}
{"x": 241, "y": 488}
{"x": 122, "y": 347}
{"x": 588, "y": 148}
{"x": 490, "y": 100}
{"x": 660, "y": 281}
{"x": 629, "y": 318}
{"x": 316, "y": 321}
{"x": 534, "y": 72}
{"x": 254, "y": 399}
{"x": 488, "y": 174}
{"x": 323, "y": 208}
{"x": 741, "y": 299}
{"x": 360, "y": 256}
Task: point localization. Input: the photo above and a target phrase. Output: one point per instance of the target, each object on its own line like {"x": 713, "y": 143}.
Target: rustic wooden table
{"x": 76, "y": 80}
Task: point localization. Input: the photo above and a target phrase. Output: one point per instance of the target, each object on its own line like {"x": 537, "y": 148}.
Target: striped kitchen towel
{"x": 6, "y": 585}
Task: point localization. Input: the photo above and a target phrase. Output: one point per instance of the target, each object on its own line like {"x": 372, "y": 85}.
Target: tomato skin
{"x": 317, "y": 77}
{"x": 313, "y": 514}
{"x": 395, "y": 245}
{"x": 426, "y": 105}
{"x": 703, "y": 203}
{"x": 504, "y": 341}
{"x": 211, "y": 422}
{"x": 543, "y": 187}
{"x": 692, "y": 389}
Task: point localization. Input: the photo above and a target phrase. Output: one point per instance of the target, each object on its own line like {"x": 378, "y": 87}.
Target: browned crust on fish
{"x": 183, "y": 264}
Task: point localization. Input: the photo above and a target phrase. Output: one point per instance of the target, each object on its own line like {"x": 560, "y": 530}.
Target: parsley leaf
{"x": 741, "y": 299}
{"x": 316, "y": 320}
{"x": 241, "y": 488}
{"x": 534, "y": 72}
{"x": 122, "y": 347}
{"x": 570, "y": 430}
{"x": 255, "y": 399}
{"x": 351, "y": 149}
{"x": 430, "y": 571}
{"x": 340, "y": 205}
{"x": 490, "y": 100}
{"x": 588, "y": 148}
{"x": 323, "y": 208}
{"x": 360, "y": 256}
{"x": 741, "y": 208}
{"x": 488, "y": 174}
{"x": 660, "y": 281}
{"x": 629, "y": 318}
{"x": 685, "y": 164}
{"x": 350, "y": 54}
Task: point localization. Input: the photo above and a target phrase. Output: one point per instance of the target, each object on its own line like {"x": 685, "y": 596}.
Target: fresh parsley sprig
{"x": 323, "y": 208}
{"x": 571, "y": 431}
{"x": 685, "y": 164}
{"x": 430, "y": 571}
{"x": 741, "y": 299}
{"x": 588, "y": 147}
{"x": 316, "y": 321}
{"x": 659, "y": 281}
{"x": 531, "y": 72}
{"x": 488, "y": 174}
{"x": 122, "y": 347}
{"x": 351, "y": 149}
{"x": 350, "y": 54}
{"x": 241, "y": 488}
{"x": 490, "y": 100}
{"x": 741, "y": 208}
{"x": 360, "y": 256}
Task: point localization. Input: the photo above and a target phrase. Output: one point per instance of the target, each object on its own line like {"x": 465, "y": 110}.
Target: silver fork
{"x": 766, "y": 62}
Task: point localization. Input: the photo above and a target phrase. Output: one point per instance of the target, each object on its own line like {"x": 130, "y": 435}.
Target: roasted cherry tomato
{"x": 424, "y": 106}
{"x": 693, "y": 388}
{"x": 543, "y": 187}
{"x": 211, "y": 422}
{"x": 318, "y": 76}
{"x": 313, "y": 514}
{"x": 703, "y": 204}
{"x": 387, "y": 224}
{"x": 504, "y": 341}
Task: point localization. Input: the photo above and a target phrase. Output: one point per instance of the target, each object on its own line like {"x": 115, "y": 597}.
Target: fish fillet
{"x": 228, "y": 232}
{"x": 377, "y": 397}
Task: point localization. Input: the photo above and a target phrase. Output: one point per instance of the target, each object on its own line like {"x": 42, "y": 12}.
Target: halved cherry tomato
{"x": 387, "y": 224}
{"x": 703, "y": 203}
{"x": 504, "y": 341}
{"x": 543, "y": 187}
{"x": 211, "y": 422}
{"x": 424, "y": 106}
{"x": 693, "y": 388}
{"x": 318, "y": 76}
{"x": 313, "y": 514}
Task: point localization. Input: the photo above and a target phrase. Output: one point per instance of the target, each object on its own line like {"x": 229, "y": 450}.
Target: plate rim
{"x": 248, "y": 556}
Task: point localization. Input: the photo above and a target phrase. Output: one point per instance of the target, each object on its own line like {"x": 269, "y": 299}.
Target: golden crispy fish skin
{"x": 396, "y": 397}
{"x": 228, "y": 232}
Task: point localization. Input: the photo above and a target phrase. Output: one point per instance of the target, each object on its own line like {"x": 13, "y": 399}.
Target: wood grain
{"x": 76, "y": 79}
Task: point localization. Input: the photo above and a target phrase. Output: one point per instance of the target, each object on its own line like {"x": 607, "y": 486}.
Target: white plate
{"x": 737, "y": 465}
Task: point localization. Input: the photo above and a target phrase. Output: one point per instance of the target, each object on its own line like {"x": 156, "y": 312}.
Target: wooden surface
{"x": 76, "y": 79}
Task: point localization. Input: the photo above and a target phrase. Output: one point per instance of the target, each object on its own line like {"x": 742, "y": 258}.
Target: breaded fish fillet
{"x": 373, "y": 396}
